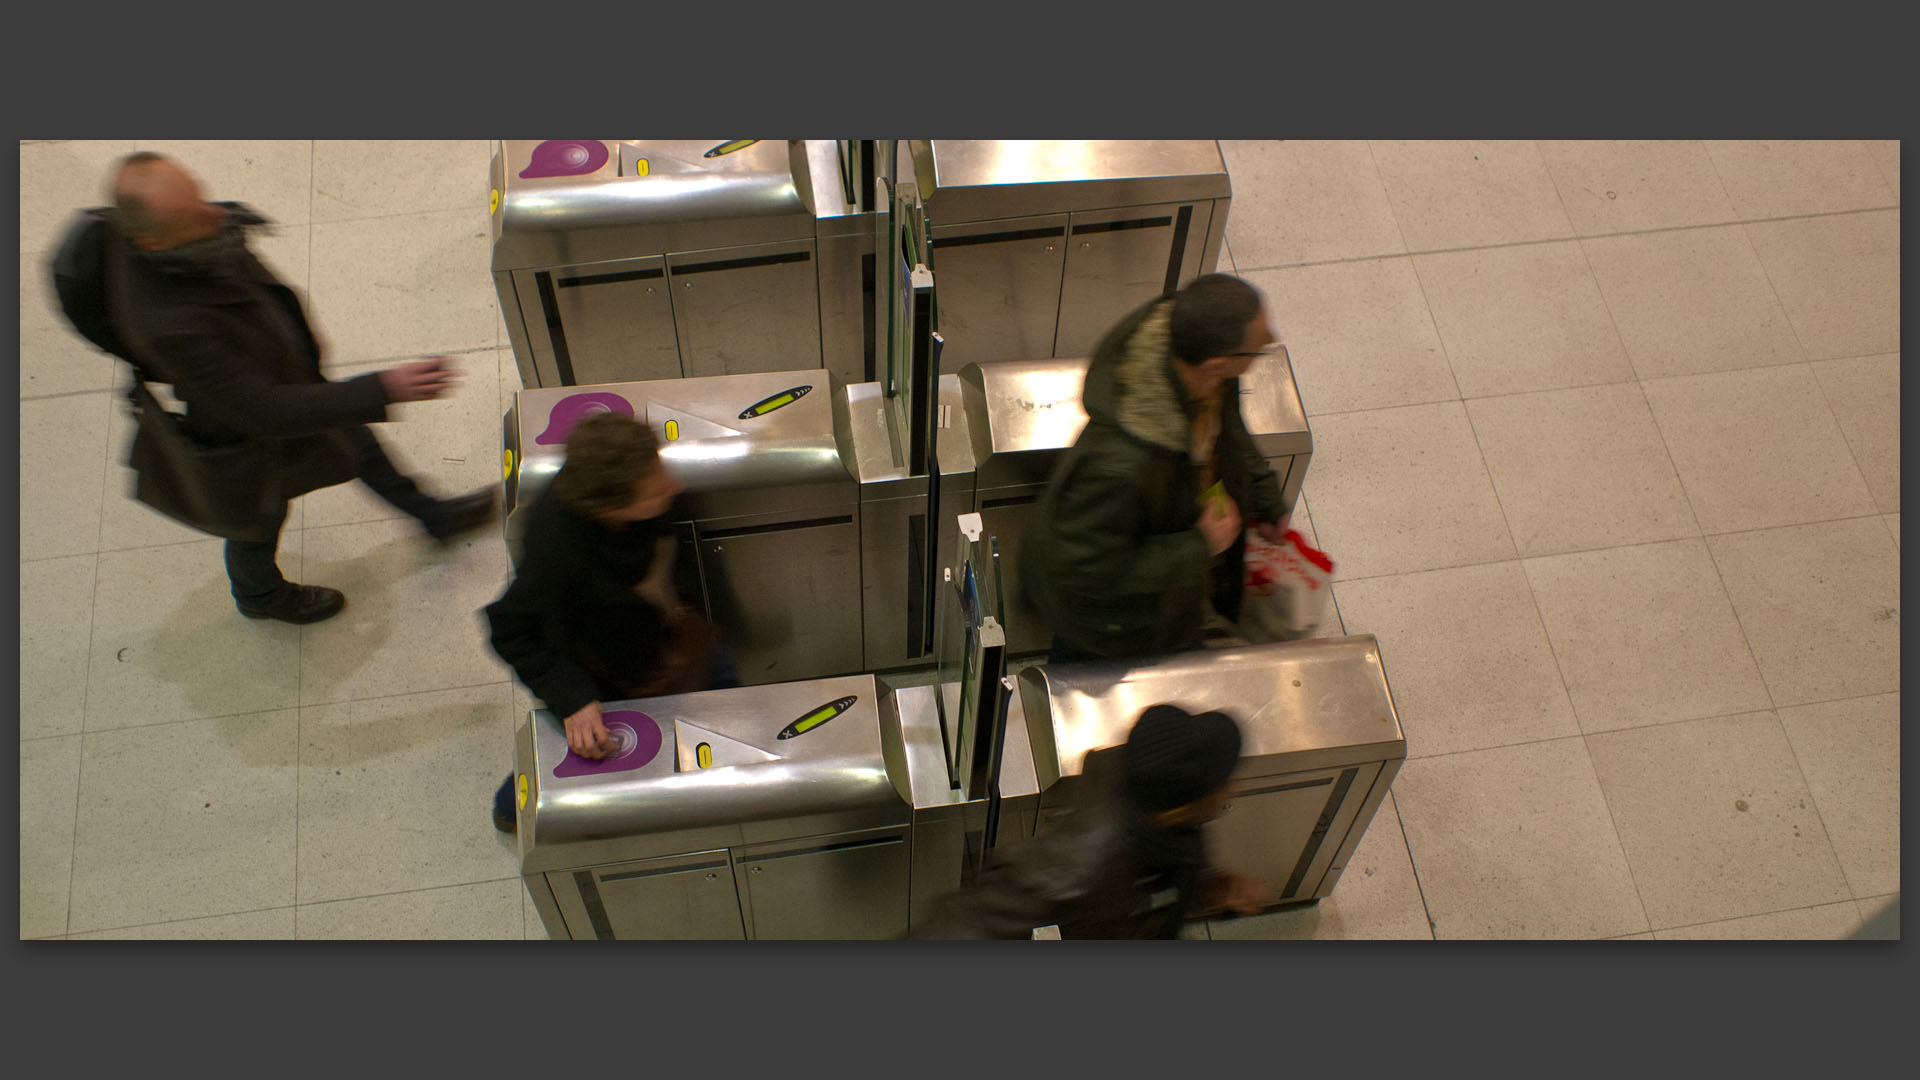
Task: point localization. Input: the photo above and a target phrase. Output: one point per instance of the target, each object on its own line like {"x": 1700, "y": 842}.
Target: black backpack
{"x": 80, "y": 280}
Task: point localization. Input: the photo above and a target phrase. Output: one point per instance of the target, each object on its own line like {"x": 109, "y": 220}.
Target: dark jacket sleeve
{"x": 1102, "y": 537}
{"x": 234, "y": 393}
{"x": 517, "y": 626}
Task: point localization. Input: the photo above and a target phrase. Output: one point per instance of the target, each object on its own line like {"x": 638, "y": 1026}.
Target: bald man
{"x": 199, "y": 312}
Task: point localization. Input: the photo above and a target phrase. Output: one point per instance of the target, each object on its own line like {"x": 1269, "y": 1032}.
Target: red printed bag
{"x": 1285, "y": 588}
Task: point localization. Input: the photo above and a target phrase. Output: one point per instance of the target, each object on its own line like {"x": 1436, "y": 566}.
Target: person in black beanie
{"x": 1131, "y": 860}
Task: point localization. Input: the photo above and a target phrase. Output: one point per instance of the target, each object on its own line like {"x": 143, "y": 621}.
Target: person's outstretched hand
{"x": 420, "y": 380}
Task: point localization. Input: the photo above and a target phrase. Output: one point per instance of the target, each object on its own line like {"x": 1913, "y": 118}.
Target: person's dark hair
{"x": 1210, "y": 317}
{"x": 608, "y": 454}
{"x": 130, "y": 212}
{"x": 1174, "y": 757}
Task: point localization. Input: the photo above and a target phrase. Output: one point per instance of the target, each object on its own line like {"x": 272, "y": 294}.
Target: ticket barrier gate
{"x": 1321, "y": 744}
{"x": 1022, "y": 416}
{"x": 827, "y": 808}
{"x": 770, "y": 522}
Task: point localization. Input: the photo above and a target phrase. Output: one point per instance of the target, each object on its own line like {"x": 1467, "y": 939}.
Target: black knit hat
{"x": 1174, "y": 757}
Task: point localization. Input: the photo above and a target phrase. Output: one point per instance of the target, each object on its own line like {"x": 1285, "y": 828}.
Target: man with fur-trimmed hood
{"x": 1132, "y": 539}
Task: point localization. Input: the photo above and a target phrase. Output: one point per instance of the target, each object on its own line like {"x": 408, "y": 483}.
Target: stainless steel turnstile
{"x": 1041, "y": 246}
{"x": 621, "y": 260}
{"x": 1022, "y": 416}
{"x": 770, "y": 524}
{"x": 756, "y": 812}
{"x": 1321, "y": 745}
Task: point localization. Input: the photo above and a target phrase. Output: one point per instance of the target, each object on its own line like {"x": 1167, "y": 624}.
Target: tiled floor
{"x": 1607, "y": 451}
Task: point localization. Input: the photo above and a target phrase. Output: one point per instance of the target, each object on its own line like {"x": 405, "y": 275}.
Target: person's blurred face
{"x": 652, "y": 495}
{"x": 174, "y": 198}
{"x": 1255, "y": 342}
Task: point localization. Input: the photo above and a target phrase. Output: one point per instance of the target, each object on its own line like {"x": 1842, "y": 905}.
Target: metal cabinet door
{"x": 998, "y": 288}
{"x": 786, "y": 599}
{"x": 749, "y": 308}
{"x": 1285, "y": 830}
{"x": 679, "y": 898}
{"x": 845, "y": 887}
{"x": 609, "y": 322}
{"x": 1119, "y": 259}
{"x": 1007, "y": 518}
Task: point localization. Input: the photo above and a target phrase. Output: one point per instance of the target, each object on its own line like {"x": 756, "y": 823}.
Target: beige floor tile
{"x": 1634, "y": 937}
{"x": 378, "y": 178}
{"x": 484, "y": 912}
{"x": 1376, "y": 898}
{"x": 404, "y": 286}
{"x": 1470, "y": 194}
{"x": 1522, "y": 318}
{"x": 1307, "y": 201}
{"x": 450, "y": 446}
{"x": 169, "y": 645}
{"x": 412, "y": 621}
{"x": 286, "y": 250}
{"x": 1849, "y": 751}
{"x": 1358, "y": 335}
{"x": 1756, "y": 449}
{"x": 1865, "y": 397}
{"x": 1613, "y": 187}
{"x": 59, "y": 177}
{"x": 1893, "y": 525}
{"x": 1886, "y": 154}
{"x": 63, "y": 462}
{"x": 1516, "y": 843}
{"x": 1825, "y": 922}
{"x": 1838, "y": 278}
{"x": 185, "y": 821}
{"x": 1581, "y": 469}
{"x": 1781, "y": 178}
{"x": 1691, "y": 300}
{"x": 1716, "y": 820}
{"x": 530, "y": 916}
{"x": 54, "y": 358}
{"x": 1400, "y": 490}
{"x": 394, "y": 793}
{"x": 1225, "y": 265}
{"x": 271, "y": 924}
{"x": 1644, "y": 635}
{"x": 49, "y": 789}
{"x": 56, "y": 626}
{"x": 1466, "y": 656}
{"x": 274, "y": 177}
{"x": 1820, "y": 605}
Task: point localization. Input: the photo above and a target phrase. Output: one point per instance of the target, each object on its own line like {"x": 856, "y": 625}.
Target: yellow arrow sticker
{"x": 495, "y": 207}
{"x": 506, "y": 473}
{"x": 704, "y": 755}
{"x": 523, "y": 791}
{"x": 673, "y": 430}
{"x": 640, "y": 167}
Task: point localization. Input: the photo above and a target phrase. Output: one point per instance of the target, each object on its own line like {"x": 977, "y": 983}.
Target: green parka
{"x": 1114, "y": 558}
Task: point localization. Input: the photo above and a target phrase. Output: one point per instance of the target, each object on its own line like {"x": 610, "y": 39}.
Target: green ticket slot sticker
{"x": 817, "y": 717}
{"x": 767, "y": 405}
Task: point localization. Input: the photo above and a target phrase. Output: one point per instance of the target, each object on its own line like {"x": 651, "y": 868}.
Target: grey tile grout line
{"x": 1572, "y": 239}
{"x": 1758, "y": 915}
{"x": 1586, "y": 748}
{"x": 284, "y": 708}
{"x": 295, "y": 907}
{"x": 1635, "y": 378}
{"x": 1779, "y": 722}
{"x": 1611, "y": 547}
{"x": 1413, "y": 867}
{"x": 1392, "y": 215}
{"x": 1583, "y": 734}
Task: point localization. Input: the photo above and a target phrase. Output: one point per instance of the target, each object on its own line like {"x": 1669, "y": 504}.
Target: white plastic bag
{"x": 1285, "y": 588}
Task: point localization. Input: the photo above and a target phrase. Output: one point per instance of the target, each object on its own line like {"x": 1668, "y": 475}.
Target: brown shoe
{"x": 306, "y": 604}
